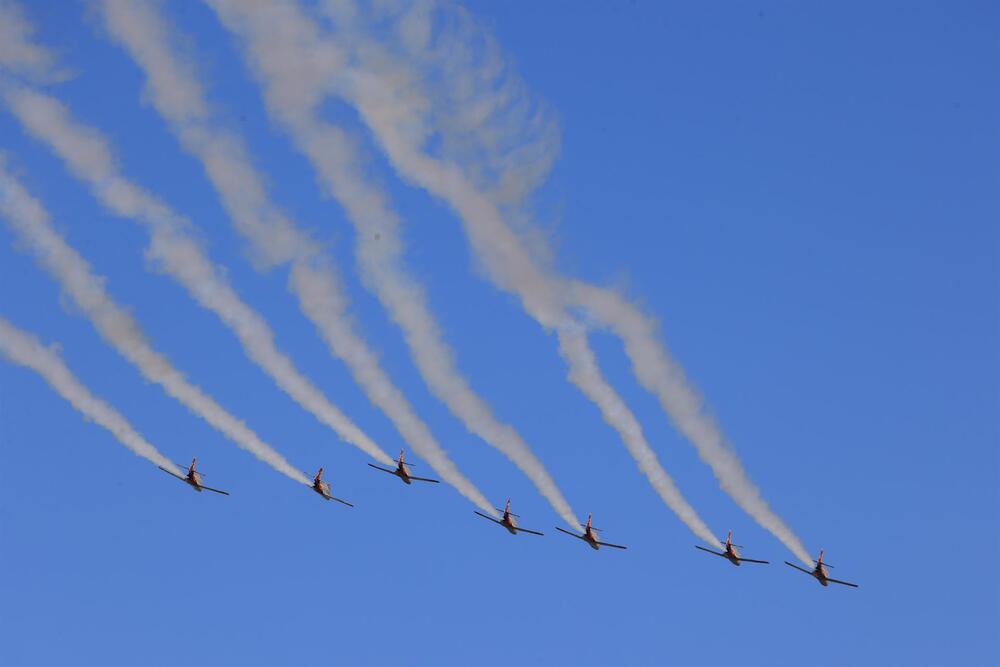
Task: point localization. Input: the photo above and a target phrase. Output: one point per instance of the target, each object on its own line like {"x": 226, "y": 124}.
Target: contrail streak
{"x": 177, "y": 95}
{"x": 664, "y": 378}
{"x": 392, "y": 104}
{"x": 23, "y": 349}
{"x": 379, "y": 247}
{"x": 279, "y": 39}
{"x": 173, "y": 247}
{"x": 30, "y": 223}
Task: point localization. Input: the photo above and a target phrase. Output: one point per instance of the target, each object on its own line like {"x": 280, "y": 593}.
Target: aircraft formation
{"x": 508, "y": 519}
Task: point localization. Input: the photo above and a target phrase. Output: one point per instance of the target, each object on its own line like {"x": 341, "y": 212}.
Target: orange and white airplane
{"x": 403, "y": 472}
{"x": 193, "y": 478}
{"x": 731, "y": 552}
{"x": 323, "y": 488}
{"x": 508, "y": 521}
{"x": 819, "y": 572}
{"x": 590, "y": 536}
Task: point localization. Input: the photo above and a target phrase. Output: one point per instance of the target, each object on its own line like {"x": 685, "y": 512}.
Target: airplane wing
{"x": 208, "y": 488}
{"x": 751, "y": 560}
{"x": 391, "y": 472}
{"x": 579, "y": 537}
{"x": 425, "y": 479}
{"x": 800, "y": 569}
{"x": 710, "y": 551}
{"x": 614, "y": 546}
{"x": 487, "y": 517}
{"x": 525, "y": 530}
{"x": 843, "y": 583}
{"x": 173, "y": 474}
{"x": 343, "y": 502}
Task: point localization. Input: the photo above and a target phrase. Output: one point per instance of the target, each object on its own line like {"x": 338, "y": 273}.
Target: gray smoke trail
{"x": 379, "y": 247}
{"x": 86, "y": 154}
{"x": 30, "y": 222}
{"x": 278, "y": 39}
{"x": 586, "y": 375}
{"x": 177, "y": 95}
{"x": 18, "y": 52}
{"x": 22, "y": 348}
{"x": 399, "y": 105}
{"x": 664, "y": 378}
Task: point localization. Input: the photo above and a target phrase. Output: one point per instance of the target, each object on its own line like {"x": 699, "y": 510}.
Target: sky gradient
{"x": 804, "y": 197}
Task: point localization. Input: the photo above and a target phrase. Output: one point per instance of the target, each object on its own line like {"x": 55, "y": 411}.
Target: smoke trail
{"x": 585, "y": 374}
{"x": 379, "y": 248}
{"x": 23, "y": 349}
{"x": 278, "y": 40}
{"x": 30, "y": 222}
{"x": 661, "y": 376}
{"x": 444, "y": 65}
{"x": 86, "y": 154}
{"x": 177, "y": 95}
{"x": 18, "y": 52}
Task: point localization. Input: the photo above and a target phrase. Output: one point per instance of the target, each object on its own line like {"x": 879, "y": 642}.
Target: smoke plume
{"x": 30, "y": 223}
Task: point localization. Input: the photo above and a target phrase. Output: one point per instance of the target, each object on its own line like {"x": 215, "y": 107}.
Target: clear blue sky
{"x": 805, "y": 196}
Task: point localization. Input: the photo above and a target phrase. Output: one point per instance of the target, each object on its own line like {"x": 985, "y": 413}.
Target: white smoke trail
{"x": 21, "y": 348}
{"x": 30, "y": 222}
{"x": 585, "y": 374}
{"x": 278, "y": 38}
{"x": 177, "y": 95}
{"x": 280, "y": 46}
{"x": 664, "y": 378}
{"x": 18, "y": 52}
{"x": 399, "y": 105}
{"x": 88, "y": 157}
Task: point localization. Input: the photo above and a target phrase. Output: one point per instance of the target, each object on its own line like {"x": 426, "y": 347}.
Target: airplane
{"x": 819, "y": 572}
{"x": 590, "y": 537}
{"x": 323, "y": 488}
{"x": 403, "y": 472}
{"x": 508, "y": 522}
{"x": 731, "y": 553}
{"x": 193, "y": 478}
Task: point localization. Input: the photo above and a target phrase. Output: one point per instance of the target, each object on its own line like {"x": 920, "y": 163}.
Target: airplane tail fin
{"x": 319, "y": 475}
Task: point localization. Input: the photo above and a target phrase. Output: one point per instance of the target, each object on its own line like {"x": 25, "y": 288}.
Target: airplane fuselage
{"x": 402, "y": 473}
{"x": 508, "y": 522}
{"x": 732, "y": 556}
{"x": 194, "y": 479}
{"x": 591, "y": 539}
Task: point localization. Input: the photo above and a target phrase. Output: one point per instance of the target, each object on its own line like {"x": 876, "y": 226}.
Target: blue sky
{"x": 806, "y": 198}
